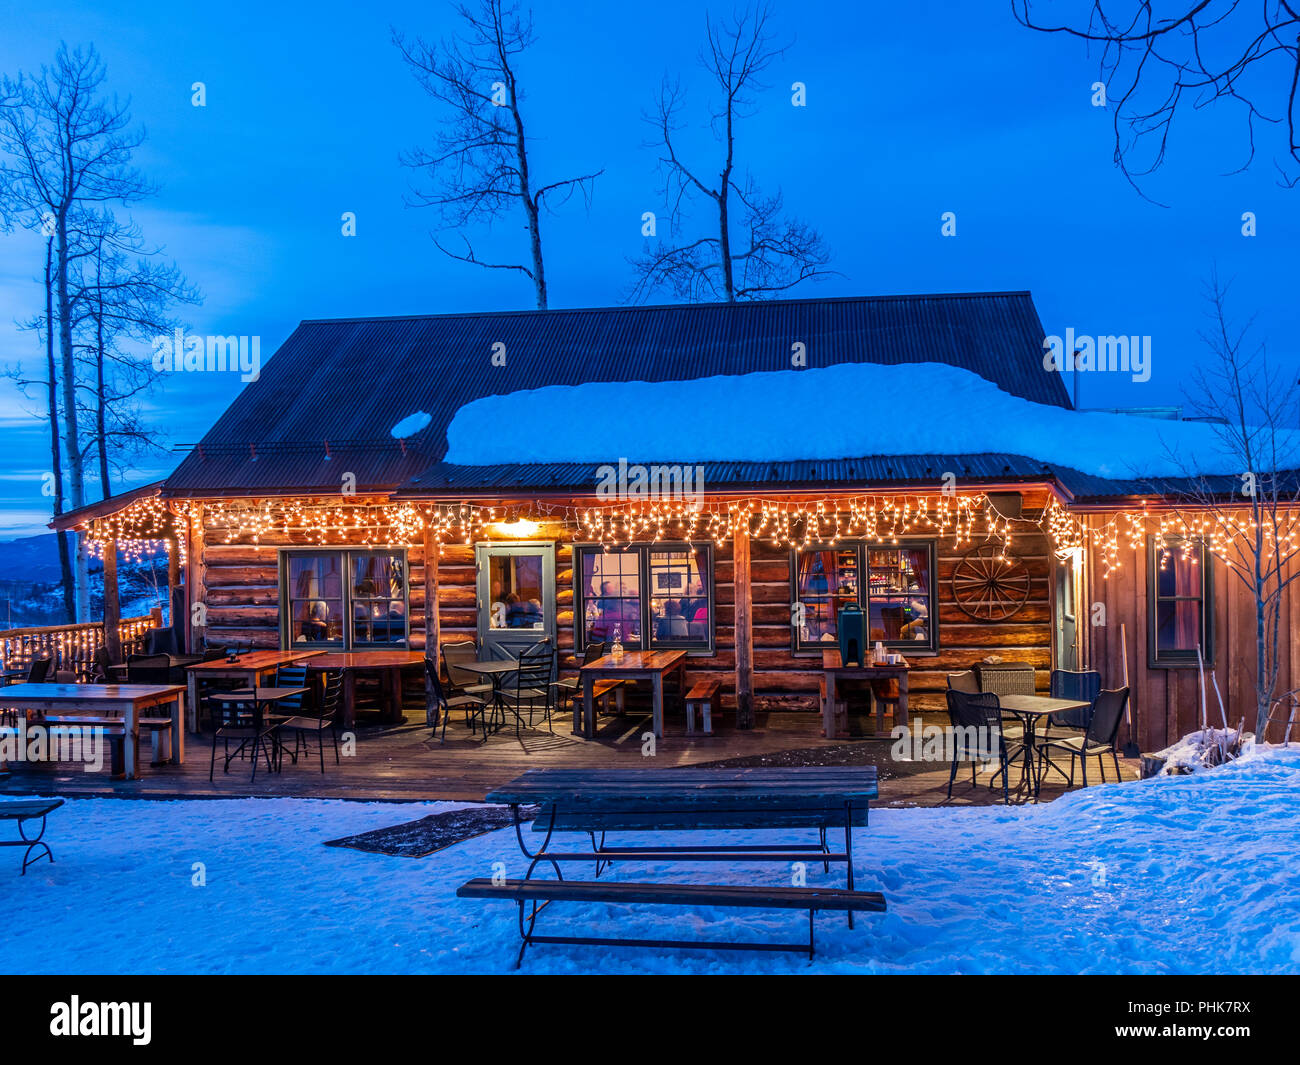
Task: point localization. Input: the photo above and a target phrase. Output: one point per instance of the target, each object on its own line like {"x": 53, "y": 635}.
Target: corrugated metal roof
{"x": 911, "y": 470}
{"x": 348, "y": 381}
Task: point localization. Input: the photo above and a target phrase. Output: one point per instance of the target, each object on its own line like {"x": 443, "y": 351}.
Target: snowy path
{"x": 1191, "y": 874}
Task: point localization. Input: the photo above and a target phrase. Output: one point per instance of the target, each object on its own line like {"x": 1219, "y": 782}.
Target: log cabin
{"x": 721, "y": 478}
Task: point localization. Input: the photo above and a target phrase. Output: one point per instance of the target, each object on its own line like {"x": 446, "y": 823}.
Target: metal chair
{"x": 1099, "y": 739}
{"x": 291, "y": 677}
{"x": 439, "y": 705}
{"x": 1080, "y": 684}
{"x": 241, "y": 719}
{"x": 39, "y": 671}
{"x": 304, "y": 725}
{"x": 462, "y": 681}
{"x": 532, "y": 684}
{"x": 978, "y": 711}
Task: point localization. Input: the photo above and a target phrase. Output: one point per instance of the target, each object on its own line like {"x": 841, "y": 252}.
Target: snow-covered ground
{"x": 1175, "y": 874}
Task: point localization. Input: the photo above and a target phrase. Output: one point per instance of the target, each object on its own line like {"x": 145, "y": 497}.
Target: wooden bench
{"x": 540, "y": 893}
{"x": 22, "y": 812}
{"x": 114, "y": 731}
{"x": 702, "y": 696}
{"x": 601, "y": 690}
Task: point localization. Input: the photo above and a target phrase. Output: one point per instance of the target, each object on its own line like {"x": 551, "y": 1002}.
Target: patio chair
{"x": 1005, "y": 679}
{"x": 243, "y": 720}
{"x": 980, "y": 711}
{"x": 1080, "y": 684}
{"x": 462, "y": 681}
{"x": 39, "y": 671}
{"x": 162, "y": 642}
{"x": 1098, "y": 741}
{"x": 97, "y": 671}
{"x": 965, "y": 681}
{"x": 149, "y": 669}
{"x": 304, "y": 726}
{"x": 291, "y": 677}
{"x": 531, "y": 686}
{"x": 440, "y": 704}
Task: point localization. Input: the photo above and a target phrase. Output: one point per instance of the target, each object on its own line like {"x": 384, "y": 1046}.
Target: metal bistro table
{"x": 496, "y": 670}
{"x": 653, "y": 666}
{"x": 693, "y": 800}
{"x": 1032, "y": 709}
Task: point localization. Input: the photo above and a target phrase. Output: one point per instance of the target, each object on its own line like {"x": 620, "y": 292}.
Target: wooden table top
{"x": 831, "y": 660}
{"x": 253, "y": 660}
{"x": 364, "y": 659}
{"x": 637, "y": 788}
{"x": 637, "y": 661}
{"x": 1039, "y": 704}
{"x": 84, "y": 693}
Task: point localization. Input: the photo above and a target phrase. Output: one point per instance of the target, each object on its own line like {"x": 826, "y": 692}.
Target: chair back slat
{"x": 535, "y": 668}
{"x": 291, "y": 677}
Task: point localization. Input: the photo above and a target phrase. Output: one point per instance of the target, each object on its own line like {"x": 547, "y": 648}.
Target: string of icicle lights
{"x": 799, "y": 524}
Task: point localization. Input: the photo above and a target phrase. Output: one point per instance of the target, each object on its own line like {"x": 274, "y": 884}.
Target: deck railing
{"x": 72, "y": 647}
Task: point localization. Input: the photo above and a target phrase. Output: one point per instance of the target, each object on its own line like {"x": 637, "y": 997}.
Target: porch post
{"x": 431, "y": 625}
{"x": 112, "y": 609}
{"x": 194, "y": 622}
{"x": 175, "y": 594}
{"x": 744, "y": 627}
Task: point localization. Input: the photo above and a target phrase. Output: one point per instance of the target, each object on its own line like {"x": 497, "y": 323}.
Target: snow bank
{"x": 843, "y": 411}
{"x": 1111, "y": 878}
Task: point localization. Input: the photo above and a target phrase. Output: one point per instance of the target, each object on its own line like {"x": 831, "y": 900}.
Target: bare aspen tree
{"x": 1157, "y": 62}
{"x": 479, "y": 165}
{"x": 1254, "y": 516}
{"x": 65, "y": 149}
{"x": 747, "y": 247}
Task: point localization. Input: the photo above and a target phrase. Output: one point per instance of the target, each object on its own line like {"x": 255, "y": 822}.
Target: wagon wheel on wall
{"x": 988, "y": 584}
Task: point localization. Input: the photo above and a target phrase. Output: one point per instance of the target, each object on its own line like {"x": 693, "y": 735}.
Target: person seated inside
{"x": 316, "y": 624}
{"x": 533, "y": 614}
{"x": 515, "y": 612}
{"x": 916, "y": 618}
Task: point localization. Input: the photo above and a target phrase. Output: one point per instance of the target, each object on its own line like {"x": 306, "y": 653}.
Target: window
{"x": 1180, "y": 602}
{"x": 892, "y": 584}
{"x": 653, "y": 595}
{"x": 344, "y": 599}
{"x": 516, "y": 592}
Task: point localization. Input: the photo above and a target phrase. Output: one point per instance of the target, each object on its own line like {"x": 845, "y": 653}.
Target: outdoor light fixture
{"x": 518, "y": 527}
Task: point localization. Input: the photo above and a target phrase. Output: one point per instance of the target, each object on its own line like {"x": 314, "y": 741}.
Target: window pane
{"x": 1177, "y": 572}
{"x": 611, "y": 595}
{"x": 516, "y": 592}
{"x": 1178, "y": 625}
{"x": 827, "y": 581}
{"x": 378, "y": 598}
{"x": 680, "y": 610}
{"x": 315, "y": 598}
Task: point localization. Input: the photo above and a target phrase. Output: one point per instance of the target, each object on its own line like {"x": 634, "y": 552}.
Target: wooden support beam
{"x": 744, "y": 607}
{"x": 112, "y": 606}
{"x": 175, "y": 590}
{"x": 431, "y": 620}
{"x": 195, "y": 621}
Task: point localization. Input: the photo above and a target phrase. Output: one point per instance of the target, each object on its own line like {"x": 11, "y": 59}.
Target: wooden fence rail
{"x": 72, "y": 647}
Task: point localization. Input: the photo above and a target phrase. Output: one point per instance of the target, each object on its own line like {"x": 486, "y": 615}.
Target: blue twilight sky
{"x": 912, "y": 110}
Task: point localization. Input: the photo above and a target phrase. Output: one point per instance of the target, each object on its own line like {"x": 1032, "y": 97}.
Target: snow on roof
{"x": 410, "y": 425}
{"x": 842, "y": 411}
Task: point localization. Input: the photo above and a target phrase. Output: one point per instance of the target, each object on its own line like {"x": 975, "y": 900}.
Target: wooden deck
{"x": 405, "y": 763}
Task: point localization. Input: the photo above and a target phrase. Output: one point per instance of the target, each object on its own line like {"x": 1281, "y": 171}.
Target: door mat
{"x": 417, "y": 839}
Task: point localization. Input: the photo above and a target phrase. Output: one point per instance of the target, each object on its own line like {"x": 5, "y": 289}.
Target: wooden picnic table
{"x": 834, "y": 670}
{"x": 688, "y": 799}
{"x": 127, "y": 701}
{"x": 633, "y": 665}
{"x": 388, "y": 664}
{"x": 250, "y": 666}
{"x": 1031, "y": 709}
